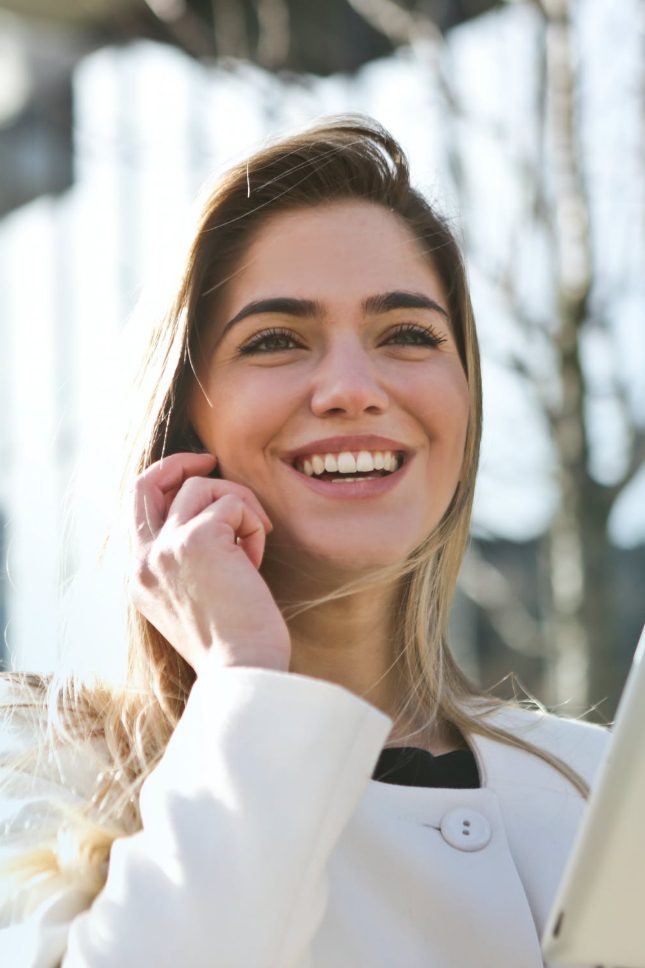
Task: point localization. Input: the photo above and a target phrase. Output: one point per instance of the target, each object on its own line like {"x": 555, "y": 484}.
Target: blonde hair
{"x": 130, "y": 723}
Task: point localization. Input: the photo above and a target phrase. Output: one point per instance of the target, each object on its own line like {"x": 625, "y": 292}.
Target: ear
{"x": 192, "y": 442}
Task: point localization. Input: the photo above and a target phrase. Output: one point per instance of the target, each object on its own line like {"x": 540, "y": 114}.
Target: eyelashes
{"x": 276, "y": 339}
{"x": 417, "y": 335}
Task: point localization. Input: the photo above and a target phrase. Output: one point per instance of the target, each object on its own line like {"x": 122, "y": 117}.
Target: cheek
{"x": 442, "y": 406}
{"x": 247, "y": 413}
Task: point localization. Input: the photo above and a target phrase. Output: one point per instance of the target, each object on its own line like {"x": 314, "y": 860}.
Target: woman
{"x": 295, "y": 771}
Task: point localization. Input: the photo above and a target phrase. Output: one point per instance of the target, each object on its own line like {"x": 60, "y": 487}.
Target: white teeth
{"x": 364, "y": 461}
{"x": 346, "y": 463}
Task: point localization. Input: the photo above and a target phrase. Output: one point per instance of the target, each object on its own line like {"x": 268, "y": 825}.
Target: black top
{"x": 409, "y": 766}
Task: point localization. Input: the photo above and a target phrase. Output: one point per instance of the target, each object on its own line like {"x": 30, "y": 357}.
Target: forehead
{"x": 337, "y": 251}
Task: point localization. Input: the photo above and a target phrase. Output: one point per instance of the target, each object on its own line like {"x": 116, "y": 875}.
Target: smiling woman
{"x": 294, "y": 753}
{"x": 343, "y": 328}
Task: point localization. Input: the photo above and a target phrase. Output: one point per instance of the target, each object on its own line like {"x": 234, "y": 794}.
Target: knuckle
{"x": 186, "y": 546}
{"x": 192, "y": 537}
{"x": 162, "y": 556}
{"x": 193, "y": 541}
{"x": 141, "y": 576}
{"x": 192, "y": 483}
{"x": 245, "y": 493}
{"x": 229, "y": 503}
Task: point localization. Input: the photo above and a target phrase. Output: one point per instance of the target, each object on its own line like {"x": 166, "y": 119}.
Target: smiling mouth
{"x": 339, "y": 469}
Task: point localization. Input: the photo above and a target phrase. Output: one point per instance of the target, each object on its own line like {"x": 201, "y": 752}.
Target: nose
{"x": 346, "y": 383}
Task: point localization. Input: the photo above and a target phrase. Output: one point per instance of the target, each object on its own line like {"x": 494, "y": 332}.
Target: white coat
{"x": 266, "y": 844}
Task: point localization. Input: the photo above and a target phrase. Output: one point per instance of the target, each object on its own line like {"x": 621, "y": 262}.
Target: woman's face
{"x": 331, "y": 339}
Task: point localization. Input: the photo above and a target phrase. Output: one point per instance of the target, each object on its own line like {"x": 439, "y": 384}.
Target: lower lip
{"x": 354, "y": 489}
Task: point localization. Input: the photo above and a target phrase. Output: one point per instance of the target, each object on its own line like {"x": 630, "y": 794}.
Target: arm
{"x": 239, "y": 819}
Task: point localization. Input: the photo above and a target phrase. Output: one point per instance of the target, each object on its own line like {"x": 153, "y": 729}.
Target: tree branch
{"x": 398, "y": 25}
{"x": 485, "y": 585}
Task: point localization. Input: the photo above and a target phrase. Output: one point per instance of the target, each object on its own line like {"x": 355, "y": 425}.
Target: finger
{"x": 246, "y": 529}
{"x": 253, "y": 544}
{"x": 172, "y": 470}
{"x": 198, "y": 493}
{"x": 167, "y": 473}
{"x": 152, "y": 486}
{"x": 252, "y": 500}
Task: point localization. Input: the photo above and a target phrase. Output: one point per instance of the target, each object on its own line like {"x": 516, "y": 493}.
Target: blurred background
{"x": 524, "y": 123}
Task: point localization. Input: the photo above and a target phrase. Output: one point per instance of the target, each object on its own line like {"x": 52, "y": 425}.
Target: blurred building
{"x": 105, "y": 138}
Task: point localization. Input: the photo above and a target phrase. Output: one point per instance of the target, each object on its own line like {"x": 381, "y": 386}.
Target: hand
{"x": 198, "y": 544}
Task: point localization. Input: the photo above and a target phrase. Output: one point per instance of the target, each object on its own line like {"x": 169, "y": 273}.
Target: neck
{"x": 350, "y": 641}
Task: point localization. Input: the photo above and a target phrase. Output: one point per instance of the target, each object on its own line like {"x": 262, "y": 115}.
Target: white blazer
{"x": 266, "y": 844}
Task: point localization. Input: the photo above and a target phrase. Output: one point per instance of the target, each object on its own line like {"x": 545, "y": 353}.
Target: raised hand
{"x": 198, "y": 543}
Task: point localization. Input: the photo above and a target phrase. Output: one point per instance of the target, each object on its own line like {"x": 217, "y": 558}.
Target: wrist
{"x": 257, "y": 656}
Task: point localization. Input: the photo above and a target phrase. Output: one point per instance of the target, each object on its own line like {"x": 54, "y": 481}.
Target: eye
{"x": 269, "y": 341}
{"x": 410, "y": 334}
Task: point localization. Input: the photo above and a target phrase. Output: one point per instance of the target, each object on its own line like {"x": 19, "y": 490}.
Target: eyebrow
{"x": 308, "y": 308}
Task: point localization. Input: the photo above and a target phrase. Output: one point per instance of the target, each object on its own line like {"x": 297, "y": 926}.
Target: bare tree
{"x": 580, "y": 621}
{"x": 584, "y": 616}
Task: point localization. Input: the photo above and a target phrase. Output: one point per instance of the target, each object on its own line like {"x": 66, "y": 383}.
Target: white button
{"x": 465, "y": 829}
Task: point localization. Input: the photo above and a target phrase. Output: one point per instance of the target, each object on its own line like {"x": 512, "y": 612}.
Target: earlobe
{"x": 193, "y": 442}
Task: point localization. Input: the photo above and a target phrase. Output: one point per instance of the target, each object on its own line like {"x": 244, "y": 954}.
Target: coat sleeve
{"x": 239, "y": 818}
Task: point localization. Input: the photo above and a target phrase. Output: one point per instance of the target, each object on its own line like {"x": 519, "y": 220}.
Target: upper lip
{"x": 352, "y": 443}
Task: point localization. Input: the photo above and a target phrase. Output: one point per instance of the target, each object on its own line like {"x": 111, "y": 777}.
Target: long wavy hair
{"x": 128, "y": 724}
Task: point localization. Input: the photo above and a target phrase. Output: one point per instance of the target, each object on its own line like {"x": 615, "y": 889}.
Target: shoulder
{"x": 581, "y": 745}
